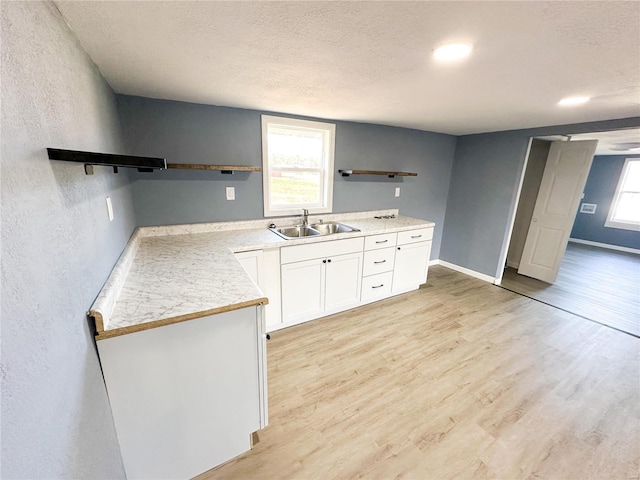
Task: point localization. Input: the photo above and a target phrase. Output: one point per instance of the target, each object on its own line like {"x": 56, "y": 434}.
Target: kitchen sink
{"x": 300, "y": 231}
{"x": 333, "y": 227}
{"x": 297, "y": 231}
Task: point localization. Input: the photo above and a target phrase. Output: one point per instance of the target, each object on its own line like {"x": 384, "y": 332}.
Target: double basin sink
{"x": 299, "y": 231}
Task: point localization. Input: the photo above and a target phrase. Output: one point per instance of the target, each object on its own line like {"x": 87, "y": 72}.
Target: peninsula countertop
{"x": 176, "y": 273}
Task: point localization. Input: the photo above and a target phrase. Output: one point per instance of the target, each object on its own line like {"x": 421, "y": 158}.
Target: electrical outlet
{"x": 231, "y": 193}
{"x": 397, "y": 191}
{"x": 110, "y": 209}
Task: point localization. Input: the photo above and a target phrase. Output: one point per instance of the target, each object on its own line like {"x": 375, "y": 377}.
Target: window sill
{"x": 622, "y": 225}
{"x": 295, "y": 211}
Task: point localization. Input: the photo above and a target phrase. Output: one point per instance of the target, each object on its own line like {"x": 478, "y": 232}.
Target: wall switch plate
{"x": 231, "y": 193}
{"x": 110, "y": 209}
{"x": 397, "y": 191}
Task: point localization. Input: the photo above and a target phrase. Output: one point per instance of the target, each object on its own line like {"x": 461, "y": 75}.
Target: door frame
{"x": 504, "y": 252}
{"x": 502, "y": 261}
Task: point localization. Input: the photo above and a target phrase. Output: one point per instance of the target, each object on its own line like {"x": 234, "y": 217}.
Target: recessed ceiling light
{"x": 571, "y": 101}
{"x": 625, "y": 146}
{"x": 452, "y": 51}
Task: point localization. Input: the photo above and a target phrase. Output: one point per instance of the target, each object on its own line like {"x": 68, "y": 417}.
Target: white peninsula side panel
{"x": 186, "y": 397}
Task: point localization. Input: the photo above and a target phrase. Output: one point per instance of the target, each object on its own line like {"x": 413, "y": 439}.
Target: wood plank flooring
{"x": 599, "y": 284}
{"x": 460, "y": 379}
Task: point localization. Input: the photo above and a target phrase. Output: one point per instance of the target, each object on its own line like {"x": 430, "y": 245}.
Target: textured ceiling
{"x": 609, "y": 143}
{"x": 371, "y": 61}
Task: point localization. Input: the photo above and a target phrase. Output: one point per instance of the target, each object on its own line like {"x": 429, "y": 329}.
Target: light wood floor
{"x": 599, "y": 284}
{"x": 460, "y": 379}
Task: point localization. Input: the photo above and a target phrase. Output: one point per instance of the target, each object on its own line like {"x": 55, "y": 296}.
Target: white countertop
{"x": 173, "y": 274}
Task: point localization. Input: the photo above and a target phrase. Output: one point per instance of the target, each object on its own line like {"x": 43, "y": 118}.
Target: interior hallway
{"x": 599, "y": 284}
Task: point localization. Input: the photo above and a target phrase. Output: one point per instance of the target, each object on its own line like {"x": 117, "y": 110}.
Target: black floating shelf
{"x": 143, "y": 164}
{"x": 346, "y": 173}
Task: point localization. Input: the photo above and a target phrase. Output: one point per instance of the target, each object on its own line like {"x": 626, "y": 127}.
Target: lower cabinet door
{"x": 342, "y": 283}
{"x": 302, "y": 290}
{"x": 412, "y": 261}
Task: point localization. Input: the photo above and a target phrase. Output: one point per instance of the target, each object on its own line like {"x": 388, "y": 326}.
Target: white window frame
{"x": 610, "y": 223}
{"x": 329, "y": 132}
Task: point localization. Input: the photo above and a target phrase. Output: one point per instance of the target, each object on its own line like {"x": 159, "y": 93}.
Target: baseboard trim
{"x": 466, "y": 271}
{"x": 605, "y": 245}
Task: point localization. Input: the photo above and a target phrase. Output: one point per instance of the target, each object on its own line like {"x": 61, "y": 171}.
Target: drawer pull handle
{"x": 381, "y": 285}
{"x": 382, "y": 261}
{"x": 382, "y": 241}
{"x": 416, "y": 236}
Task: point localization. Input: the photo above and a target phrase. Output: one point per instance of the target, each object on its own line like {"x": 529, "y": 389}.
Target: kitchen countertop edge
{"x": 104, "y": 306}
{"x": 116, "y": 332}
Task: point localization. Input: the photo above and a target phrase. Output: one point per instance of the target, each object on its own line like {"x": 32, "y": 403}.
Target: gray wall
{"x": 191, "y": 133}
{"x": 58, "y": 248}
{"x": 482, "y": 193}
{"x": 600, "y": 189}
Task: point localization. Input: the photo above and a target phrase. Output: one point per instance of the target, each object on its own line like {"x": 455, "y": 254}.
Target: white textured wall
{"x": 57, "y": 250}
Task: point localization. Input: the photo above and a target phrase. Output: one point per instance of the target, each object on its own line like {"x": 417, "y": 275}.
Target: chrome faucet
{"x": 305, "y": 217}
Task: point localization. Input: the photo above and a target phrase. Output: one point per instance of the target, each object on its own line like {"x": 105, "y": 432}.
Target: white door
{"x": 412, "y": 263}
{"x": 560, "y": 192}
{"x": 342, "y": 284}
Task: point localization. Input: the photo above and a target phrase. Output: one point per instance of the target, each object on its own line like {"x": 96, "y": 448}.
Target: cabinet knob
{"x": 398, "y": 248}
{"x": 329, "y": 260}
{"x": 268, "y": 336}
{"x": 324, "y": 261}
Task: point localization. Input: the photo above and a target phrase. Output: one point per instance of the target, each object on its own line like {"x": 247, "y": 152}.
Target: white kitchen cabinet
{"x": 263, "y": 266}
{"x": 411, "y": 265}
{"x": 375, "y": 287}
{"x": 186, "y": 397}
{"x": 413, "y": 236}
{"x": 377, "y": 271}
{"x": 328, "y": 282}
{"x": 302, "y": 290}
{"x": 342, "y": 282}
{"x": 252, "y": 262}
{"x": 378, "y": 261}
{"x": 383, "y": 240}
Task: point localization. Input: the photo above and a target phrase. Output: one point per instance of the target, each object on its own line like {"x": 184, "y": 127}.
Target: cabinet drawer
{"x": 298, "y": 253}
{"x": 380, "y": 241}
{"x": 412, "y": 236}
{"x": 378, "y": 261}
{"x": 376, "y": 286}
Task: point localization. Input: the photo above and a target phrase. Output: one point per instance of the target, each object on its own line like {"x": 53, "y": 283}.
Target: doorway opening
{"x": 598, "y": 274}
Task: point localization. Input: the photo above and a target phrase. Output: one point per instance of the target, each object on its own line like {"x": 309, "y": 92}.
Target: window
{"x": 297, "y": 161}
{"x": 625, "y": 209}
